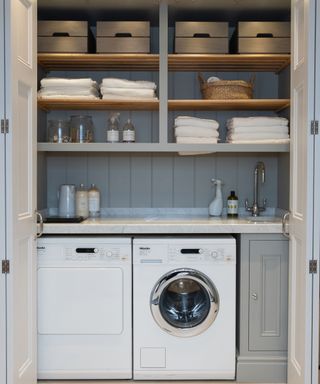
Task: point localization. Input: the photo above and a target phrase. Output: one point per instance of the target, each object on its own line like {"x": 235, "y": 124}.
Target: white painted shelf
{"x": 157, "y": 147}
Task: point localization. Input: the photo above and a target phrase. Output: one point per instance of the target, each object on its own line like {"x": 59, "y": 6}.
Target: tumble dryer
{"x": 184, "y": 308}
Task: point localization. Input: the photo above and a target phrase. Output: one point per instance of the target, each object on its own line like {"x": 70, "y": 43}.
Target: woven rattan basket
{"x": 226, "y": 89}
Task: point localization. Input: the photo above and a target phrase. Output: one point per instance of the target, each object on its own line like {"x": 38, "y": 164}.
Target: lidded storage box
{"x": 263, "y": 37}
{"x": 64, "y": 36}
{"x": 201, "y": 37}
{"x": 123, "y": 37}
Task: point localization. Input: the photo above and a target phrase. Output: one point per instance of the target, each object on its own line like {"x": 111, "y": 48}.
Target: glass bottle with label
{"x": 113, "y": 135}
{"x": 232, "y": 205}
{"x": 94, "y": 201}
{"x": 128, "y": 132}
{"x": 82, "y": 202}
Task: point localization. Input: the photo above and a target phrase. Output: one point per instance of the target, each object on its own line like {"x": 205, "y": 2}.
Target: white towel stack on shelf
{"x": 60, "y": 88}
{"x": 193, "y": 130}
{"x": 120, "y": 89}
{"x": 258, "y": 130}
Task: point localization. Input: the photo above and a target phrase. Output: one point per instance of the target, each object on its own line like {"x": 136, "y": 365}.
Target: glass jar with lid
{"x": 81, "y": 129}
{"x": 58, "y": 131}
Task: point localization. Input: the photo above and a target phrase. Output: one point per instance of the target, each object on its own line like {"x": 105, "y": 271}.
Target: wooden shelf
{"x": 228, "y": 105}
{"x": 69, "y": 104}
{"x": 176, "y": 62}
{"x": 152, "y": 105}
{"x": 156, "y": 147}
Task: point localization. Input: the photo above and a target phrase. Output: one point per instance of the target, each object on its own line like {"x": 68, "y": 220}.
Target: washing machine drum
{"x": 184, "y": 302}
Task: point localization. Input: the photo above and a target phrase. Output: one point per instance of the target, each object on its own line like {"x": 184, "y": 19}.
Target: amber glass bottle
{"x": 232, "y": 205}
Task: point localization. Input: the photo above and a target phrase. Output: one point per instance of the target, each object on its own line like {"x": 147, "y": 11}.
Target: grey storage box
{"x": 123, "y": 37}
{"x": 201, "y": 37}
{"x": 64, "y": 36}
{"x": 263, "y": 37}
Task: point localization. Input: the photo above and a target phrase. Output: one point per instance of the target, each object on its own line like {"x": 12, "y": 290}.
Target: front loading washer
{"x": 84, "y": 307}
{"x": 184, "y": 308}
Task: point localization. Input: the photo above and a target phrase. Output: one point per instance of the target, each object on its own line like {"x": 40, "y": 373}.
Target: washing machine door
{"x": 184, "y": 302}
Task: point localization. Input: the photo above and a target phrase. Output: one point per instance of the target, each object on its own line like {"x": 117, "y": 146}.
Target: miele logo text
{"x": 144, "y": 248}
{"x": 41, "y": 247}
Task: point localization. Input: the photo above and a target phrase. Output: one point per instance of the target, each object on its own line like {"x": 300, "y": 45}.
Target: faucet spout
{"x": 255, "y": 209}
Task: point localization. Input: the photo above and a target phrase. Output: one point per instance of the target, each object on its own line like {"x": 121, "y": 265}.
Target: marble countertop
{"x": 168, "y": 224}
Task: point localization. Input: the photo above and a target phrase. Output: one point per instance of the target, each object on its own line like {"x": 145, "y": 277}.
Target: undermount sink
{"x": 262, "y": 219}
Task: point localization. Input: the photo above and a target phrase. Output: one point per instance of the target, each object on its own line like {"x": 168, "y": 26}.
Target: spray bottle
{"x": 215, "y": 207}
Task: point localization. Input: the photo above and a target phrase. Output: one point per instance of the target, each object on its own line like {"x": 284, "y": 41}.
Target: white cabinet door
{"x": 302, "y": 191}
{"x": 2, "y": 208}
{"x": 20, "y": 109}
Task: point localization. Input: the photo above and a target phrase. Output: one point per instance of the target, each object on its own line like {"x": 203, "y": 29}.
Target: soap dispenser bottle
{"x": 215, "y": 207}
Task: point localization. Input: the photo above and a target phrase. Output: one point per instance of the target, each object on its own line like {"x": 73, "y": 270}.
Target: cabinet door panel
{"x": 268, "y": 284}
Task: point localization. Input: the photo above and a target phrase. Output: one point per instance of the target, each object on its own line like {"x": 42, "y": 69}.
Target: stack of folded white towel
{"x": 60, "y": 88}
{"x": 193, "y": 130}
{"x": 113, "y": 88}
{"x": 258, "y": 130}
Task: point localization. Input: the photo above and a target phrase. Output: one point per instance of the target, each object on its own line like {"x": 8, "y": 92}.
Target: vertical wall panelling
{"x": 119, "y": 181}
{"x": 162, "y": 177}
{"x": 183, "y": 181}
{"x": 98, "y": 173}
{"x": 141, "y": 181}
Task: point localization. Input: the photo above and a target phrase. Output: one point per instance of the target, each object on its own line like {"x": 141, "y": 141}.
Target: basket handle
{"x": 201, "y": 78}
{"x": 252, "y": 79}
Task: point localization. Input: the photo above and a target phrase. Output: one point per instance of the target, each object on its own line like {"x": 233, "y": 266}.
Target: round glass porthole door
{"x": 184, "y": 302}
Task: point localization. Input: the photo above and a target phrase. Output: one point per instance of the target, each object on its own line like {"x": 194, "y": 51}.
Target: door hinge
{"x": 313, "y": 266}
{"x": 5, "y": 266}
{"x": 4, "y": 126}
{"x": 314, "y": 127}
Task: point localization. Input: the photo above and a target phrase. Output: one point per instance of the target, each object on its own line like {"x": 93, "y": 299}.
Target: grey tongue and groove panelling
{"x": 162, "y": 180}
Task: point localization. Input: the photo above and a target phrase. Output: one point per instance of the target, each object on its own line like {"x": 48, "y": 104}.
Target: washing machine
{"x": 84, "y": 308}
{"x": 184, "y": 299}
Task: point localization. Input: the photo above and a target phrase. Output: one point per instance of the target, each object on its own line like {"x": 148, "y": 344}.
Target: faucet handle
{"x": 263, "y": 208}
{"x": 246, "y": 204}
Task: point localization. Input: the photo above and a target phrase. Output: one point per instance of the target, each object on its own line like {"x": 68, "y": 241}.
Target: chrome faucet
{"x": 255, "y": 209}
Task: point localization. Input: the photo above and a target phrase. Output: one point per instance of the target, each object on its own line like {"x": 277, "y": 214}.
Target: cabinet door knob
{"x": 254, "y": 296}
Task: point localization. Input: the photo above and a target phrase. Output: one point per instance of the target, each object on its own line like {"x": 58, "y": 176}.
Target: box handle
{"x": 60, "y": 34}
{"x": 201, "y": 35}
{"x": 123, "y": 34}
{"x": 264, "y": 34}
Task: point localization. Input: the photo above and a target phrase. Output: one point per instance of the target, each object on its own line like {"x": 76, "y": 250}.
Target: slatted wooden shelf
{"x": 157, "y": 147}
{"x": 176, "y": 62}
{"x": 70, "y": 104}
{"x": 151, "y": 105}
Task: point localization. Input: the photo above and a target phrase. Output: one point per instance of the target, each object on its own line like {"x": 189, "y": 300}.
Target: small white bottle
{"x": 128, "y": 132}
{"x": 215, "y": 207}
{"x": 82, "y": 202}
{"x": 113, "y": 134}
{"x": 94, "y": 201}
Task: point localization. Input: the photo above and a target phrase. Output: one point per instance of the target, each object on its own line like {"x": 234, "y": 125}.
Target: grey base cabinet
{"x": 262, "y": 308}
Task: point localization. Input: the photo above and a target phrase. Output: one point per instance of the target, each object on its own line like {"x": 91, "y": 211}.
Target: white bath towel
{"x": 258, "y": 129}
{"x": 120, "y": 97}
{"x": 257, "y": 136}
{"x": 124, "y": 83}
{"x": 188, "y": 131}
{"x": 265, "y": 141}
{"x": 50, "y": 91}
{"x": 128, "y": 92}
{"x": 73, "y": 97}
{"x": 195, "y": 122}
{"x": 256, "y": 121}
{"x": 62, "y": 82}
{"x": 196, "y": 140}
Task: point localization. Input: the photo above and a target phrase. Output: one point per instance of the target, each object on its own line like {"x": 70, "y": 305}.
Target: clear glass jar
{"x": 81, "y": 129}
{"x": 58, "y": 131}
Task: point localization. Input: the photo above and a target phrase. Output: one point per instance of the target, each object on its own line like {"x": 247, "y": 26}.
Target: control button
{"x": 214, "y": 254}
{"x": 200, "y": 250}
{"x": 96, "y": 250}
{"x": 109, "y": 253}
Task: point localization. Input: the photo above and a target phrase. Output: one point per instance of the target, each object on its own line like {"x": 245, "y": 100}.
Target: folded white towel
{"x": 129, "y": 92}
{"x": 195, "y": 122}
{"x": 62, "y": 82}
{"x": 257, "y": 136}
{"x": 188, "y": 131}
{"x": 258, "y": 129}
{"x": 124, "y": 83}
{"x": 196, "y": 140}
{"x": 256, "y": 121}
{"x": 120, "y": 97}
{"x": 72, "y": 97}
{"x": 68, "y": 91}
{"x": 265, "y": 141}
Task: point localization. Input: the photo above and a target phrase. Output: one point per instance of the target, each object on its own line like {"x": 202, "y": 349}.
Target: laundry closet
{"x": 158, "y": 186}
